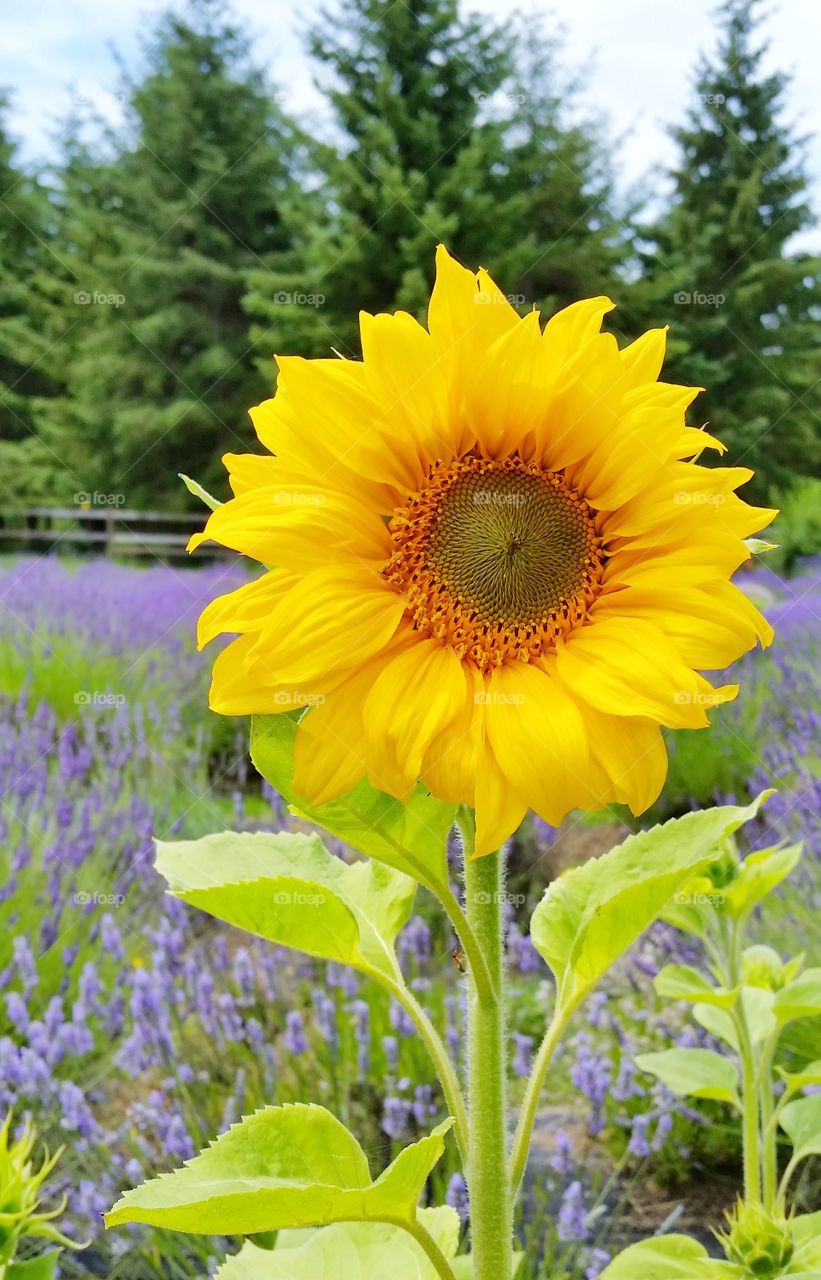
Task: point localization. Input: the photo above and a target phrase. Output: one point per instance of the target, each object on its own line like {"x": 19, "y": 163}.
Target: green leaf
{"x": 43, "y": 1267}
{"x": 800, "y": 998}
{"x": 364, "y": 1250}
{"x": 759, "y": 874}
{"x": 665, "y": 1258}
{"x": 757, "y": 1004}
{"x": 683, "y": 982}
{"x": 410, "y": 837}
{"x": 718, "y": 1022}
{"x": 197, "y": 490}
{"x": 287, "y": 888}
{"x": 806, "y": 1232}
{"x": 808, "y": 1075}
{"x": 758, "y": 546}
{"x": 593, "y": 913}
{"x": 289, "y": 1166}
{"x": 694, "y": 1073}
{"x": 801, "y": 1121}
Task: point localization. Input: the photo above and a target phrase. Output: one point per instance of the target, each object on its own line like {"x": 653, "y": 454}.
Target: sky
{"x": 640, "y": 56}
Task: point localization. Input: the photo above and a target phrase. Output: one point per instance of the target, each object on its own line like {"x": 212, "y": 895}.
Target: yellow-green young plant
{"x": 287, "y": 1168}
{"x": 747, "y": 1002}
{"x": 21, "y": 1215}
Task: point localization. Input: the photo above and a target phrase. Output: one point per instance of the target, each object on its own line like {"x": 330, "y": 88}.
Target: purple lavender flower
{"x": 294, "y": 1038}
{"x": 522, "y": 1056}
{"x": 457, "y": 1196}
{"x": 571, "y": 1223}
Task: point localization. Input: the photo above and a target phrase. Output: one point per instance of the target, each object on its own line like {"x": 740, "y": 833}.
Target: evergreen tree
{"x": 554, "y": 231}
{"x": 161, "y": 374}
{"x": 449, "y": 129}
{"x": 744, "y": 305}
{"x": 29, "y": 461}
{"x": 406, "y": 82}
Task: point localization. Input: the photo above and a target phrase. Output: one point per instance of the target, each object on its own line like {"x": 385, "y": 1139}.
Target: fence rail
{"x": 109, "y": 531}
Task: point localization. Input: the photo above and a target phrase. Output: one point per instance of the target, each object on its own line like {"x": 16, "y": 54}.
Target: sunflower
{"x": 495, "y": 566}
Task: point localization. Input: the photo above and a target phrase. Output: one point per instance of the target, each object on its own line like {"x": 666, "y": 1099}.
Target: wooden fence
{"x": 101, "y": 530}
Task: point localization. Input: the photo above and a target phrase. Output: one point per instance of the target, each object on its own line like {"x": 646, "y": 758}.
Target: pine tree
{"x": 162, "y": 374}
{"x": 29, "y": 380}
{"x": 406, "y": 81}
{"x": 449, "y": 129}
{"x": 743, "y": 303}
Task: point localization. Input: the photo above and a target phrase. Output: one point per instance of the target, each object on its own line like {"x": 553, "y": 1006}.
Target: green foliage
{"x": 288, "y": 889}
{"x": 797, "y": 529}
{"x": 347, "y": 1249}
{"x": 749, "y": 998}
{"x": 743, "y": 303}
{"x": 694, "y": 1073}
{"x": 593, "y": 913}
{"x": 450, "y": 128}
{"x": 282, "y": 1167}
{"x": 29, "y": 373}
{"x": 163, "y": 233}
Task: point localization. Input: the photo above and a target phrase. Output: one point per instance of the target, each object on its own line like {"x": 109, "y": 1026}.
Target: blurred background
{"x": 185, "y": 191}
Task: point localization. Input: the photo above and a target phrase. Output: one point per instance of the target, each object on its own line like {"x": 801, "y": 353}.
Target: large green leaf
{"x": 683, "y": 982}
{"x": 666, "y": 1258}
{"x": 287, "y": 888}
{"x": 411, "y": 837}
{"x": 290, "y": 1166}
{"x": 354, "y": 1250}
{"x": 592, "y": 914}
{"x": 694, "y": 1073}
{"x": 801, "y": 1121}
{"x": 800, "y": 998}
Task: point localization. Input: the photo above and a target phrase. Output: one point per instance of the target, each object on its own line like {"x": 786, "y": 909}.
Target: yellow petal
{"x": 245, "y": 609}
{"x": 499, "y": 807}
{"x": 627, "y": 666}
{"x": 538, "y": 737}
{"x": 416, "y": 696}
{"x": 333, "y": 620}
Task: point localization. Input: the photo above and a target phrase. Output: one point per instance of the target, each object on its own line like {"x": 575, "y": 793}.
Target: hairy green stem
{"x": 441, "y": 1061}
{"x": 464, "y": 931}
{"x": 769, "y": 1136}
{"x": 530, "y": 1103}
{"x": 751, "y": 1130}
{"x": 491, "y": 1201}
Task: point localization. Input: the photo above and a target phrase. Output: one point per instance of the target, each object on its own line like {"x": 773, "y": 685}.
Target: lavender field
{"x": 135, "y": 1028}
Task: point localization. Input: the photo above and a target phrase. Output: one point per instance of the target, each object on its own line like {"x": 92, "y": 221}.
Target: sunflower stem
{"x": 491, "y": 1201}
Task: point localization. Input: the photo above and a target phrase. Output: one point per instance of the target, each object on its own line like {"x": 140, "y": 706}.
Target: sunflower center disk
{"x": 496, "y": 559}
